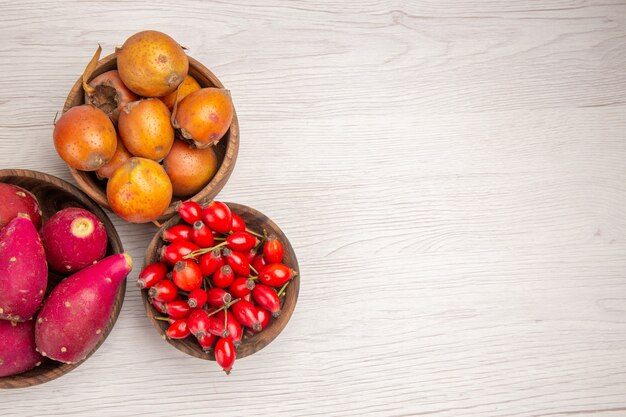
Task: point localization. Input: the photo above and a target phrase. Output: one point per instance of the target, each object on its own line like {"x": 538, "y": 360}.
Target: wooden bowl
{"x": 255, "y": 221}
{"x": 53, "y": 195}
{"x": 226, "y": 150}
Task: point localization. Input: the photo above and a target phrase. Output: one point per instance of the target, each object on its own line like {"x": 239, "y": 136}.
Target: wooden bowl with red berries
{"x": 219, "y": 282}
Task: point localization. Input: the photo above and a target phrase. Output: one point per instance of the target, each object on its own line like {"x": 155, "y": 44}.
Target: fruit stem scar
{"x": 82, "y": 227}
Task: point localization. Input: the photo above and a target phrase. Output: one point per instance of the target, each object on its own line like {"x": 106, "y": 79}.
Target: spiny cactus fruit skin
{"x": 18, "y": 352}
{"x": 23, "y": 270}
{"x": 75, "y": 315}
{"x": 73, "y": 239}
{"x": 16, "y": 200}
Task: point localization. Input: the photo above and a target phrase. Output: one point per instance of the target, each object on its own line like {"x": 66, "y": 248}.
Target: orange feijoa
{"x": 146, "y": 129}
{"x": 85, "y": 138}
{"x": 139, "y": 191}
{"x": 204, "y": 116}
{"x": 108, "y": 93}
{"x": 189, "y": 168}
{"x": 188, "y": 86}
{"x": 152, "y": 64}
{"x": 120, "y": 156}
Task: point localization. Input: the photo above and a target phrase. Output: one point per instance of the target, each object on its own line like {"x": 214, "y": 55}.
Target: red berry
{"x": 207, "y": 341}
{"x": 275, "y": 275}
{"x": 216, "y": 326}
{"x": 267, "y": 298}
{"x": 198, "y": 322}
{"x": 225, "y": 354}
{"x": 264, "y": 317}
{"x": 259, "y": 262}
{"x": 201, "y": 235}
{"x": 178, "y": 309}
{"x": 211, "y": 262}
{"x": 223, "y": 277}
{"x": 241, "y": 241}
{"x": 237, "y": 261}
{"x": 158, "y": 305}
{"x": 190, "y": 211}
{"x": 217, "y": 297}
{"x": 238, "y": 224}
{"x": 197, "y": 298}
{"x": 241, "y": 287}
{"x": 246, "y": 314}
{"x": 235, "y": 332}
{"x": 178, "y": 232}
{"x": 217, "y": 216}
{"x": 175, "y": 252}
{"x": 164, "y": 290}
{"x": 178, "y": 329}
{"x": 187, "y": 275}
{"x": 250, "y": 255}
{"x": 273, "y": 250}
{"x": 152, "y": 274}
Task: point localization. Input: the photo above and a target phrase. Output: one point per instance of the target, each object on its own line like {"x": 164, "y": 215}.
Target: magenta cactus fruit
{"x": 74, "y": 316}
{"x": 23, "y": 270}
{"x": 73, "y": 238}
{"x": 16, "y": 200}
{"x": 18, "y": 352}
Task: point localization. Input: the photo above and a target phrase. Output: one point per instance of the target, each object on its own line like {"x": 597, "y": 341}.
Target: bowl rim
{"x": 24, "y": 381}
{"x": 255, "y": 342}
{"x": 209, "y": 191}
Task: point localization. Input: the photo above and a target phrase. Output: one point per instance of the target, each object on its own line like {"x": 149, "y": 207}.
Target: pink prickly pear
{"x": 23, "y": 270}
{"x": 74, "y": 316}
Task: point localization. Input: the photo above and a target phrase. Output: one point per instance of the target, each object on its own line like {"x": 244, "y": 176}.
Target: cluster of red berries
{"x": 216, "y": 280}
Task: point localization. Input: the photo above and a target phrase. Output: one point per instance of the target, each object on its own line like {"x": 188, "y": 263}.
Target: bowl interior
{"x": 226, "y": 150}
{"x": 53, "y": 195}
{"x": 256, "y": 221}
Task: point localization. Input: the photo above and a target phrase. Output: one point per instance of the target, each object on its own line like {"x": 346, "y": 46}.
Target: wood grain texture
{"x": 450, "y": 174}
{"x": 250, "y": 344}
{"x": 53, "y": 195}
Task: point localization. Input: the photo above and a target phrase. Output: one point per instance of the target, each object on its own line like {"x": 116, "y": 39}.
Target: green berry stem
{"x": 282, "y": 289}
{"x": 198, "y": 252}
{"x": 225, "y": 306}
{"x": 253, "y": 233}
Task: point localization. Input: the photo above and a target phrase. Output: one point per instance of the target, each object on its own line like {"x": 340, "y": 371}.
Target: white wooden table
{"x": 452, "y": 175}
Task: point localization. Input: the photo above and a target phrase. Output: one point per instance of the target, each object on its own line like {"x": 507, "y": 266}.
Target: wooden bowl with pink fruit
{"x": 62, "y": 275}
